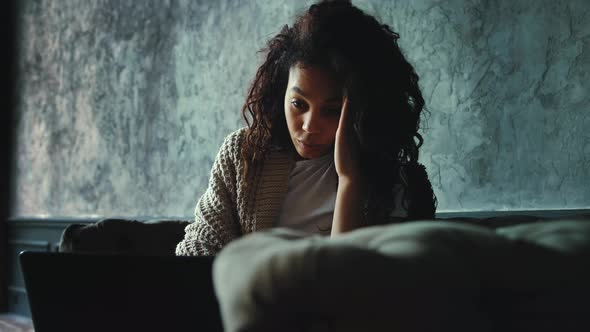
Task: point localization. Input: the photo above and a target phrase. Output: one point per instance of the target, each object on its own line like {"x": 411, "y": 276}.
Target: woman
{"x": 332, "y": 144}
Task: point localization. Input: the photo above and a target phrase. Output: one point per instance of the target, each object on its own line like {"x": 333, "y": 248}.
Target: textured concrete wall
{"x": 123, "y": 104}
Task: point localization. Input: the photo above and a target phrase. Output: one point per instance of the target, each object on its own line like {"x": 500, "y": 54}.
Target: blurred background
{"x": 122, "y": 105}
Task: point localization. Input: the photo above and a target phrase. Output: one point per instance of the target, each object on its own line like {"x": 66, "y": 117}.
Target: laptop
{"x": 97, "y": 292}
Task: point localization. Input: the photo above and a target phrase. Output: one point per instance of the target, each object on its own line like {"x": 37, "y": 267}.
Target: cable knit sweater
{"x": 229, "y": 208}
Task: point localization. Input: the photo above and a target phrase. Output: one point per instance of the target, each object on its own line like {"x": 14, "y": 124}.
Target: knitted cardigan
{"x": 234, "y": 205}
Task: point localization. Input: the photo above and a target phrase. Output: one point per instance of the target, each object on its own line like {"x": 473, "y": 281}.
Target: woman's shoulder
{"x": 229, "y": 154}
{"x": 235, "y": 138}
{"x": 232, "y": 143}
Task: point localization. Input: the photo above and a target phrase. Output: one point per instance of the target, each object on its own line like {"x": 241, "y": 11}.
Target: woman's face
{"x": 313, "y": 102}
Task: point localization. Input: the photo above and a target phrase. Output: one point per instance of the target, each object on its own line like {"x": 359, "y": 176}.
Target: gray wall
{"x": 123, "y": 104}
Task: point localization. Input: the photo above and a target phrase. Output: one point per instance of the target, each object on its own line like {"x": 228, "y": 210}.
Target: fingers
{"x": 343, "y": 113}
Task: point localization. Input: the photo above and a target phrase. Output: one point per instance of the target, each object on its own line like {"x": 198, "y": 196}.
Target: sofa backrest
{"x": 124, "y": 236}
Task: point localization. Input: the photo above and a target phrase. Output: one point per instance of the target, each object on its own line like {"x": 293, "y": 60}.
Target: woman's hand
{"x": 346, "y": 148}
{"x": 349, "y": 196}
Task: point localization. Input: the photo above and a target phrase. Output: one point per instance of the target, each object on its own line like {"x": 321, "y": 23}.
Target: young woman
{"x": 332, "y": 143}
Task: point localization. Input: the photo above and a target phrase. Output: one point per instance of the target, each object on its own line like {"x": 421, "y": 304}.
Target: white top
{"x": 311, "y": 196}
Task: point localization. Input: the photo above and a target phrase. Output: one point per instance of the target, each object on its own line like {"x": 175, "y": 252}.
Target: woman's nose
{"x": 311, "y": 122}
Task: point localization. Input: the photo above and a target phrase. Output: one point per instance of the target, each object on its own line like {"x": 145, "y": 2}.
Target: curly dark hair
{"x": 381, "y": 85}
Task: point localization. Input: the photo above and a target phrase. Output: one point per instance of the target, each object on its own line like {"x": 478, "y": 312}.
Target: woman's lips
{"x": 309, "y": 146}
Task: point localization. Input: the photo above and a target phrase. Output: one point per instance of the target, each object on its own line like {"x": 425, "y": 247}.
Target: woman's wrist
{"x": 356, "y": 182}
{"x": 348, "y": 211}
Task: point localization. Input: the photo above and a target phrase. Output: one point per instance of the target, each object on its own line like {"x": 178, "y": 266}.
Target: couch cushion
{"x": 379, "y": 278}
{"x": 566, "y": 235}
{"x": 414, "y": 276}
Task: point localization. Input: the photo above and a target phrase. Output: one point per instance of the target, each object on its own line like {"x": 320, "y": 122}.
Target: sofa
{"x": 510, "y": 273}
{"x": 124, "y": 236}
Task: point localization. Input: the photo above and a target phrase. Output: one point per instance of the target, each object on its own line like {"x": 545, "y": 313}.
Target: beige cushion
{"x": 418, "y": 276}
{"x": 376, "y": 279}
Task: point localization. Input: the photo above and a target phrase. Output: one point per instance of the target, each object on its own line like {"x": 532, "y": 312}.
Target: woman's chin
{"x": 310, "y": 154}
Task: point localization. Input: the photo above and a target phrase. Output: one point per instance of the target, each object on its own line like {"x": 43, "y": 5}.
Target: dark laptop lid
{"x": 89, "y": 292}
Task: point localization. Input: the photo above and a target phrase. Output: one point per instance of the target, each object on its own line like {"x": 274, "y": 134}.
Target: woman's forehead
{"x": 312, "y": 80}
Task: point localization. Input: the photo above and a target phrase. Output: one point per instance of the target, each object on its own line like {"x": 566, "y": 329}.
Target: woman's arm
{"x": 348, "y": 208}
{"x": 351, "y": 187}
{"x": 216, "y": 221}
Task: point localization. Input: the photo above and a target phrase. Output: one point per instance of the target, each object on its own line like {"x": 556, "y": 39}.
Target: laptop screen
{"x": 89, "y": 292}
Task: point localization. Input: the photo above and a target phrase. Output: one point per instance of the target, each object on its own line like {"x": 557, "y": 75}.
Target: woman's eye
{"x": 297, "y": 104}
